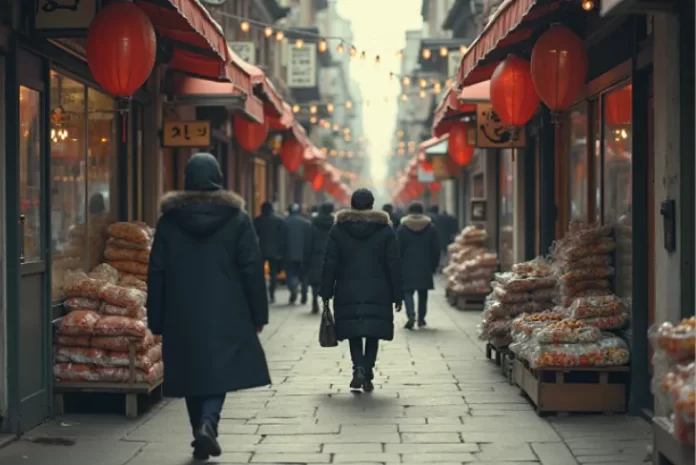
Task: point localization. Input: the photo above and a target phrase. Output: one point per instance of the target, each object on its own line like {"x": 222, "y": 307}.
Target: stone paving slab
{"x": 437, "y": 401}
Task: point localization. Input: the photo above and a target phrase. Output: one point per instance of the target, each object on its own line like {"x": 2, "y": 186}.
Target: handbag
{"x": 327, "y": 328}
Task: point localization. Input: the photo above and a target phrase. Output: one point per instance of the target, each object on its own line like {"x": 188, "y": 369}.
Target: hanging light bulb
{"x": 295, "y": 108}
{"x": 443, "y": 51}
{"x": 268, "y": 32}
{"x": 327, "y": 125}
{"x": 422, "y": 93}
{"x": 313, "y": 120}
{"x": 346, "y": 130}
{"x": 341, "y": 153}
{"x": 347, "y": 138}
{"x": 463, "y": 49}
{"x": 330, "y": 107}
{"x": 448, "y": 83}
{"x": 244, "y": 26}
{"x": 353, "y": 51}
{"x": 340, "y": 48}
{"x": 378, "y": 60}
{"x": 404, "y": 97}
{"x": 280, "y": 36}
{"x": 313, "y": 109}
{"x": 587, "y": 5}
{"x": 400, "y": 55}
{"x": 437, "y": 89}
{"x": 362, "y": 56}
{"x": 322, "y": 46}
{"x": 299, "y": 43}
{"x": 336, "y": 127}
{"x": 406, "y": 81}
{"x": 402, "y": 144}
{"x": 423, "y": 83}
{"x": 349, "y": 104}
{"x": 427, "y": 53}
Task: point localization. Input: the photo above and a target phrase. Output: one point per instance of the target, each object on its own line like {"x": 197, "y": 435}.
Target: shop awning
{"x": 274, "y": 104}
{"x": 449, "y": 107}
{"x": 198, "y": 44}
{"x": 512, "y": 27}
{"x": 440, "y": 147}
{"x": 332, "y": 173}
{"x": 300, "y": 134}
{"x": 477, "y": 93}
{"x": 313, "y": 154}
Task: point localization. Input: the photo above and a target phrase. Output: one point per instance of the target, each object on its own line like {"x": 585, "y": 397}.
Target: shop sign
{"x": 491, "y": 133}
{"x": 244, "y": 50}
{"x": 302, "y": 66}
{"x": 186, "y": 134}
{"x": 65, "y": 18}
{"x": 441, "y": 167}
{"x": 478, "y": 210}
{"x": 425, "y": 176}
{"x": 453, "y": 61}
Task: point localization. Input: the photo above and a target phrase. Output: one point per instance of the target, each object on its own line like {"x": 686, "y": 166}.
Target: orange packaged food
{"x": 143, "y": 361}
{"x": 571, "y": 289}
{"x": 121, "y": 244}
{"x": 129, "y": 232}
{"x": 77, "y": 372}
{"x": 155, "y": 373}
{"x": 678, "y": 342}
{"x": 81, "y": 303}
{"x": 132, "y": 312}
{"x": 123, "y": 254}
{"x": 119, "y": 326}
{"x": 129, "y": 266}
{"x": 81, "y": 355}
{"x": 130, "y": 280}
{"x": 588, "y": 274}
{"x": 85, "y": 287}
{"x": 603, "y": 246}
{"x": 104, "y": 272}
{"x": 72, "y": 341}
{"x": 121, "y": 343}
{"x": 123, "y": 296}
{"x": 79, "y": 323}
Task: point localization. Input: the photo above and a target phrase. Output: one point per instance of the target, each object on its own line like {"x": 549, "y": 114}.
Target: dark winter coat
{"x": 419, "y": 247}
{"x": 207, "y": 295}
{"x": 362, "y": 273}
{"x": 321, "y": 224}
{"x": 298, "y": 234}
{"x": 270, "y": 230}
{"x": 444, "y": 226}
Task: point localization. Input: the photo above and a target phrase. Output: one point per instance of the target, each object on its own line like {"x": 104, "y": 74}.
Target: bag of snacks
{"x": 684, "y": 431}
{"x": 567, "y": 331}
{"x": 564, "y": 355}
{"x": 121, "y": 244}
{"x": 613, "y": 351}
{"x": 498, "y": 309}
{"x": 571, "y": 289}
{"x": 587, "y": 274}
{"x": 129, "y": 232}
{"x": 85, "y": 287}
{"x": 121, "y": 343}
{"x": 123, "y": 254}
{"x": 130, "y": 280}
{"x": 678, "y": 342}
{"x": 509, "y": 297}
{"x": 143, "y": 361}
{"x": 81, "y": 303}
{"x": 578, "y": 251}
{"x": 544, "y": 295}
{"x": 591, "y": 261}
{"x": 584, "y": 233}
{"x": 592, "y": 307}
{"x": 81, "y": 355}
{"x": 112, "y": 374}
{"x": 123, "y": 296}
{"x": 568, "y": 301}
{"x": 528, "y": 322}
{"x": 132, "y": 312}
{"x": 104, "y": 272}
{"x": 78, "y": 323}
{"x": 119, "y": 326}
{"x": 152, "y": 375}
{"x": 77, "y": 372}
{"x": 72, "y": 341}
{"x": 608, "y": 322}
{"x": 129, "y": 266}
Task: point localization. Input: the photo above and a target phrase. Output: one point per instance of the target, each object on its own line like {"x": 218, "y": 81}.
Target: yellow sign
{"x": 491, "y": 133}
{"x": 441, "y": 166}
{"x": 186, "y": 134}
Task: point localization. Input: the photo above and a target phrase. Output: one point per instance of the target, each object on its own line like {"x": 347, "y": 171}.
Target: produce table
{"x": 666, "y": 449}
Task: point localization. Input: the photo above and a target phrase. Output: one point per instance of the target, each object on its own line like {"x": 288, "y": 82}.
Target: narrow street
{"x": 438, "y": 400}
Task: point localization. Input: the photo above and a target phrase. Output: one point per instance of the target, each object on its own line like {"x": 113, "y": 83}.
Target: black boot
{"x": 198, "y": 453}
{"x": 293, "y": 295}
{"x": 421, "y": 322}
{"x": 367, "y": 385}
{"x": 206, "y": 440}
{"x": 303, "y": 300}
{"x": 409, "y": 324}
{"x": 358, "y": 378}
{"x": 315, "y": 306}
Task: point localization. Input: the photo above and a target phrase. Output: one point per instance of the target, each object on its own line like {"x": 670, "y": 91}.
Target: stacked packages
{"x": 674, "y": 374}
{"x": 128, "y": 249}
{"x": 470, "y": 268}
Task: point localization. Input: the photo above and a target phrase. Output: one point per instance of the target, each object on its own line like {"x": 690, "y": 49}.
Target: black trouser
{"x": 273, "y": 270}
{"x": 366, "y": 357}
{"x": 422, "y": 304}
{"x": 204, "y": 408}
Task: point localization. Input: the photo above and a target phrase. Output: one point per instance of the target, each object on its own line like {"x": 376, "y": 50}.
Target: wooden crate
{"x": 496, "y": 353}
{"x": 470, "y": 301}
{"x": 562, "y": 390}
{"x": 666, "y": 449}
{"x": 507, "y": 366}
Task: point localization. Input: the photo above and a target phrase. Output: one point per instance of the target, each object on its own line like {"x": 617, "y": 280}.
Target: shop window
{"x": 577, "y": 163}
{"x": 617, "y": 181}
{"x": 506, "y": 211}
{"x": 30, "y": 172}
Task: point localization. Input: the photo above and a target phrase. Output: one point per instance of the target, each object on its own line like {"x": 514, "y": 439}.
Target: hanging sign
{"x": 453, "y": 61}
{"x": 244, "y": 50}
{"x": 441, "y": 167}
{"x": 491, "y": 133}
{"x": 67, "y": 18}
{"x": 302, "y": 66}
{"x": 186, "y": 134}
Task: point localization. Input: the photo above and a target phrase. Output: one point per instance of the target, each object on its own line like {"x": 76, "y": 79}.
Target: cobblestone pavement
{"x": 438, "y": 400}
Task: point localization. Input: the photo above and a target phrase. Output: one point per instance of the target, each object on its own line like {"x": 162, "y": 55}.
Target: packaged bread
{"x": 72, "y": 341}
{"x": 85, "y": 287}
{"x": 119, "y": 326}
{"x": 104, "y": 272}
{"x": 123, "y": 296}
{"x": 592, "y": 307}
{"x": 76, "y": 372}
{"x": 115, "y": 310}
{"x": 129, "y": 266}
{"x": 143, "y": 361}
{"x": 588, "y": 274}
{"x": 132, "y": 281}
{"x": 122, "y": 343}
{"x": 81, "y": 303}
{"x": 81, "y": 355}
{"x": 79, "y": 323}
{"x": 568, "y": 331}
{"x": 678, "y": 342}
{"x": 124, "y": 254}
{"x": 129, "y": 232}
{"x": 115, "y": 243}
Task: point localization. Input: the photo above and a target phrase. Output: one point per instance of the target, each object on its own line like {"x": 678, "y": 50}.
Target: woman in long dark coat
{"x": 207, "y": 298}
{"x": 361, "y": 272}
{"x": 321, "y": 224}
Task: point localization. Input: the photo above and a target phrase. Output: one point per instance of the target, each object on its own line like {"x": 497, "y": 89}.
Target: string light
{"x": 426, "y": 53}
{"x": 406, "y": 81}
{"x": 340, "y": 48}
{"x": 362, "y": 56}
{"x": 268, "y": 32}
{"x": 313, "y": 120}
{"x": 330, "y": 107}
{"x": 400, "y": 55}
{"x": 443, "y": 51}
{"x": 422, "y": 93}
{"x": 349, "y": 104}
{"x": 299, "y": 43}
{"x": 404, "y": 97}
{"x": 322, "y": 46}
{"x": 280, "y": 36}
{"x": 244, "y": 26}
{"x": 313, "y": 109}
{"x": 463, "y": 49}
{"x": 336, "y": 127}
{"x": 423, "y": 83}
{"x": 377, "y": 60}
{"x": 353, "y": 51}
{"x": 296, "y": 108}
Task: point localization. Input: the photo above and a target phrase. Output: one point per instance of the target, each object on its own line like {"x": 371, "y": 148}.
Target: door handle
{"x": 22, "y": 221}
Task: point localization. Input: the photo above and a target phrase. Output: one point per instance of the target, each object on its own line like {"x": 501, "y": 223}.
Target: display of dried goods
{"x": 528, "y": 322}
{"x": 597, "y": 306}
{"x": 513, "y": 283}
{"x": 130, "y": 232}
{"x": 587, "y": 274}
{"x": 497, "y": 309}
{"x": 121, "y": 343}
{"x": 590, "y": 261}
{"x": 470, "y": 268}
{"x": 129, "y": 280}
{"x": 509, "y": 297}
{"x": 537, "y": 268}
{"x": 132, "y": 312}
{"x": 81, "y": 355}
{"x": 72, "y": 341}
{"x": 608, "y": 322}
{"x": 471, "y": 235}
{"x": 124, "y": 254}
{"x": 121, "y": 244}
{"x": 104, "y": 272}
{"x": 567, "y": 331}
{"x": 576, "y": 288}
{"x": 609, "y": 351}
{"x": 568, "y": 301}
{"x": 143, "y": 361}
{"x": 123, "y": 296}
{"x": 85, "y": 287}
{"x": 129, "y": 266}
{"x": 81, "y": 303}
{"x": 677, "y": 341}
{"x": 79, "y": 323}
{"x": 119, "y": 326}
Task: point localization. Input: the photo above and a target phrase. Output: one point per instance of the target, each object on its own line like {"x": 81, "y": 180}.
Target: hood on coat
{"x": 362, "y": 223}
{"x": 201, "y": 213}
{"x": 416, "y": 222}
{"x": 323, "y": 221}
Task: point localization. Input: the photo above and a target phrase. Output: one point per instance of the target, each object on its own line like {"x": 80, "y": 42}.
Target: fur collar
{"x": 370, "y": 216}
{"x": 416, "y": 222}
{"x": 180, "y": 199}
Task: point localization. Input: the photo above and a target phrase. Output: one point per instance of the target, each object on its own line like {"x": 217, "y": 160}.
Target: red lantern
{"x": 274, "y": 124}
{"x": 619, "y": 107}
{"x": 459, "y": 150}
{"x": 250, "y": 134}
{"x": 513, "y": 97}
{"x": 291, "y": 154}
{"x": 426, "y": 166}
{"x": 314, "y": 176}
{"x": 559, "y": 67}
{"x": 435, "y": 187}
{"x": 121, "y": 48}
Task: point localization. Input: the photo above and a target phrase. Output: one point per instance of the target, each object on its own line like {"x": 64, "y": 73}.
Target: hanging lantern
{"x": 121, "y": 48}
{"x": 459, "y": 150}
{"x": 435, "y": 187}
{"x": 513, "y": 97}
{"x": 314, "y": 176}
{"x": 291, "y": 154}
{"x": 426, "y": 166}
{"x": 559, "y": 67}
{"x": 618, "y": 107}
{"x": 250, "y": 134}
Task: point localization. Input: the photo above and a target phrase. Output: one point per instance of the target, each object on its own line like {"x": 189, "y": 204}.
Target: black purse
{"x": 327, "y": 328}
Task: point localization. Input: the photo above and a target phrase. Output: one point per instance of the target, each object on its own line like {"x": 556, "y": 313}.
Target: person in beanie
{"x": 321, "y": 224}
{"x": 419, "y": 246}
{"x": 270, "y": 230}
{"x": 207, "y": 298}
{"x": 362, "y": 274}
{"x": 298, "y": 231}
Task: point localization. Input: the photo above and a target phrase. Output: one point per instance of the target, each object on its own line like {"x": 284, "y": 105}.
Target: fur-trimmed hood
{"x": 362, "y": 223}
{"x": 201, "y": 212}
{"x": 416, "y": 222}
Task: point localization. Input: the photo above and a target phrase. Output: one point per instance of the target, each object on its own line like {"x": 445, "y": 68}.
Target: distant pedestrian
{"x": 362, "y": 273}
{"x": 321, "y": 224}
{"x": 270, "y": 230}
{"x": 297, "y": 250}
{"x": 389, "y": 210}
{"x": 443, "y": 226}
{"x": 207, "y": 298}
{"x": 419, "y": 246}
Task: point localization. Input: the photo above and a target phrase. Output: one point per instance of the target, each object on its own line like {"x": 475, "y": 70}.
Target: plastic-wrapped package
{"x": 511, "y": 283}
{"x": 584, "y": 233}
{"x": 527, "y": 323}
{"x": 121, "y": 244}
{"x": 590, "y": 261}
{"x": 123, "y": 296}
{"x": 81, "y": 355}
{"x": 104, "y": 272}
{"x": 544, "y": 295}
{"x": 578, "y": 251}
{"x": 119, "y": 326}
{"x": 72, "y": 341}
{"x": 143, "y": 361}
{"x": 678, "y": 342}
{"x": 150, "y": 376}
{"x": 124, "y": 254}
{"x": 81, "y": 303}
{"x": 505, "y": 296}
{"x": 617, "y": 321}
{"x": 685, "y": 403}
{"x": 537, "y": 268}
{"x": 79, "y": 323}
{"x": 613, "y": 351}
{"x": 129, "y": 280}
{"x": 684, "y": 431}
{"x": 85, "y": 287}
{"x": 564, "y": 355}
{"x": 129, "y": 266}
{"x": 499, "y": 309}
{"x": 78, "y": 372}
{"x": 121, "y": 343}
{"x": 568, "y": 289}
{"x": 567, "y": 331}
{"x": 587, "y": 274}
{"x": 132, "y": 312}
{"x": 592, "y": 307}
{"x": 568, "y": 301}
{"x": 130, "y": 232}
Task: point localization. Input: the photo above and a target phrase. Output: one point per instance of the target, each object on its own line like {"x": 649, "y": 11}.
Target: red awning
{"x": 275, "y": 106}
{"x": 448, "y": 107}
{"x": 429, "y": 143}
{"x": 300, "y": 134}
{"x": 514, "y": 22}
{"x": 313, "y": 154}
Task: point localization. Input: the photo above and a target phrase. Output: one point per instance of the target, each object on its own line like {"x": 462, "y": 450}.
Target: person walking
{"x": 207, "y": 298}
{"x": 270, "y": 230}
{"x": 298, "y": 236}
{"x": 442, "y": 225}
{"x": 321, "y": 224}
{"x": 362, "y": 274}
{"x": 419, "y": 246}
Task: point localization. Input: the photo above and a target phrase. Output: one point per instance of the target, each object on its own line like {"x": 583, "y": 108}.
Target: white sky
{"x": 379, "y": 28}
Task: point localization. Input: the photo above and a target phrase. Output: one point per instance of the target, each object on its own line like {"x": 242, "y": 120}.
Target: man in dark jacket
{"x": 321, "y": 224}
{"x": 207, "y": 298}
{"x": 297, "y": 250}
{"x": 442, "y": 224}
{"x": 389, "y": 210}
{"x": 362, "y": 273}
{"x": 419, "y": 246}
{"x": 270, "y": 230}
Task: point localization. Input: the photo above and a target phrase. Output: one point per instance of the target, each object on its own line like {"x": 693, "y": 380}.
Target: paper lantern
{"x": 559, "y": 67}
{"x": 250, "y": 134}
{"x": 291, "y": 154}
{"x": 435, "y": 187}
{"x": 618, "y": 107}
{"x": 459, "y": 150}
{"x": 513, "y": 97}
{"x": 314, "y": 176}
{"x": 426, "y": 166}
{"x": 121, "y": 48}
